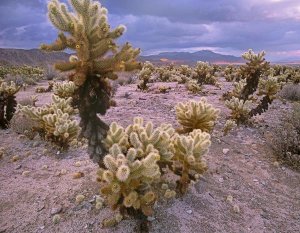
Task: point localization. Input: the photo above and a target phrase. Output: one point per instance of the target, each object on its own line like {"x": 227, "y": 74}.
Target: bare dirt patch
{"x": 265, "y": 197}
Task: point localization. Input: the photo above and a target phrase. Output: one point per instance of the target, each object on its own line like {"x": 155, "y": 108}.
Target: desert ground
{"x": 244, "y": 190}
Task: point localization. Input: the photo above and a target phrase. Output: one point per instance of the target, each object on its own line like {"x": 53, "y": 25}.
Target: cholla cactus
{"x": 144, "y": 139}
{"x": 229, "y": 125}
{"x": 239, "y": 109}
{"x": 55, "y": 121}
{"x": 134, "y": 167}
{"x": 231, "y": 73}
{"x": 8, "y": 102}
{"x": 204, "y": 73}
{"x": 126, "y": 177}
{"x": 186, "y": 70}
{"x": 189, "y": 151}
{"x": 145, "y": 75}
{"x": 269, "y": 86}
{"x": 87, "y": 31}
{"x": 64, "y": 90}
{"x": 255, "y": 67}
{"x": 196, "y": 115}
{"x": 238, "y": 88}
{"x": 193, "y": 86}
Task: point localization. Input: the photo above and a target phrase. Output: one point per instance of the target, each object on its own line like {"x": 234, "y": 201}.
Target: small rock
{"x": 221, "y": 179}
{"x": 15, "y": 158}
{"x": 150, "y": 219}
{"x": 99, "y": 205}
{"x": 229, "y": 198}
{"x": 276, "y": 164}
{"x": 189, "y": 211}
{"x": 77, "y": 164}
{"x": 56, "y": 210}
{"x": 255, "y": 180}
{"x": 22, "y": 137}
{"x": 25, "y": 173}
{"x": 236, "y": 209}
{"x": 36, "y": 144}
{"x": 78, "y": 175}
{"x": 118, "y": 217}
{"x": 58, "y": 152}
{"x": 225, "y": 151}
{"x": 18, "y": 167}
{"x": 56, "y": 219}
{"x": 45, "y": 167}
{"x": 28, "y": 153}
{"x": 63, "y": 172}
{"x": 79, "y": 198}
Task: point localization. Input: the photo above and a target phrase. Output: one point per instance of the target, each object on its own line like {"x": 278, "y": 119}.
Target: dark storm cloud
{"x": 229, "y": 26}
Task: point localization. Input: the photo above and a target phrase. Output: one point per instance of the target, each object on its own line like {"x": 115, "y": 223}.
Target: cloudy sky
{"x": 224, "y": 26}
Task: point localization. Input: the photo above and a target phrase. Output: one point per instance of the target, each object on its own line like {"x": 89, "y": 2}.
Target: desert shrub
{"x": 291, "y": 92}
{"x": 44, "y": 89}
{"x": 28, "y": 101}
{"x": 134, "y": 170}
{"x": 50, "y": 73}
{"x": 286, "y": 138}
{"x": 8, "y": 102}
{"x": 22, "y": 124}
{"x": 17, "y": 79}
{"x": 196, "y": 115}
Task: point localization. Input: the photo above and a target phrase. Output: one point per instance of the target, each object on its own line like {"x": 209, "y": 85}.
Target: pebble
{"x": 189, "y": 211}
{"x": 25, "y": 173}
{"x": 229, "y": 198}
{"x": 236, "y": 208}
{"x": 18, "y": 167}
{"x": 78, "y": 175}
{"x": 221, "y": 179}
{"x": 225, "y": 151}
{"x": 56, "y": 210}
{"x": 79, "y": 198}
{"x": 56, "y": 218}
{"x": 77, "y": 164}
{"x": 36, "y": 144}
{"x": 276, "y": 164}
{"x": 150, "y": 219}
{"x": 15, "y": 158}
{"x": 45, "y": 167}
{"x": 255, "y": 180}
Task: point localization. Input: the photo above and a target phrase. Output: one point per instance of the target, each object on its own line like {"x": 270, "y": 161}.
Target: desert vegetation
{"x": 198, "y": 139}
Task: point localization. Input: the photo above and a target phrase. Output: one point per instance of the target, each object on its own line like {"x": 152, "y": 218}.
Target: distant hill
{"x": 32, "y": 57}
{"x": 36, "y": 57}
{"x": 192, "y": 58}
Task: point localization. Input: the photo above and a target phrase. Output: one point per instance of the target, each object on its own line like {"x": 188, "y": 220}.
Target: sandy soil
{"x": 266, "y": 197}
